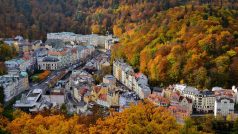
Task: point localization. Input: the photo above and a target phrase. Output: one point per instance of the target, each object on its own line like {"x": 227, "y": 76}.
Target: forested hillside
{"x": 192, "y": 41}
{"x": 34, "y": 18}
{"x": 194, "y": 44}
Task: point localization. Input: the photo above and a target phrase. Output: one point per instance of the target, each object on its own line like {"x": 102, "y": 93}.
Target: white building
{"x": 224, "y": 106}
{"x": 18, "y": 64}
{"x": 204, "y": 101}
{"x": 13, "y": 85}
{"x": 33, "y": 101}
{"x": 236, "y": 93}
{"x": 48, "y": 63}
{"x": 187, "y": 91}
{"x": 64, "y": 56}
{"x": 92, "y": 39}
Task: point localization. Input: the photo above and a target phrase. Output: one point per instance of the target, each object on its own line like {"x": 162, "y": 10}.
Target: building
{"x": 137, "y": 82}
{"x": 235, "y": 90}
{"x": 74, "y": 55}
{"x": 36, "y": 45}
{"x": 186, "y": 103}
{"x": 80, "y": 77}
{"x": 64, "y": 56}
{"x": 13, "y": 85}
{"x": 49, "y": 63}
{"x": 82, "y": 52}
{"x": 187, "y": 91}
{"x": 224, "y": 106}
{"x": 92, "y": 39}
{"x": 140, "y": 85}
{"x": 159, "y": 100}
{"x": 105, "y": 95}
{"x": 18, "y": 64}
{"x": 10, "y": 86}
{"x": 32, "y": 102}
{"x": 109, "y": 79}
{"x": 204, "y": 101}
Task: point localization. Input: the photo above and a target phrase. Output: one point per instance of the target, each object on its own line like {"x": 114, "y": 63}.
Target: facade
{"x": 109, "y": 79}
{"x": 18, "y": 64}
{"x": 49, "y": 63}
{"x": 235, "y": 90}
{"x": 105, "y": 95}
{"x": 186, "y": 103}
{"x": 187, "y": 91}
{"x": 13, "y": 85}
{"x": 33, "y": 101}
{"x": 64, "y": 56}
{"x": 159, "y": 100}
{"x": 136, "y": 82}
{"x": 204, "y": 101}
{"x": 74, "y": 57}
{"x": 92, "y": 39}
{"x": 224, "y": 106}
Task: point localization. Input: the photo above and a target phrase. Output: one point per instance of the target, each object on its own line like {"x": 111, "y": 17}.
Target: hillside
{"x": 165, "y": 39}
{"x": 34, "y": 18}
{"x": 192, "y": 44}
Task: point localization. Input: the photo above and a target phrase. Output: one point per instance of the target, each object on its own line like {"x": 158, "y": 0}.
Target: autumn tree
{"x": 141, "y": 118}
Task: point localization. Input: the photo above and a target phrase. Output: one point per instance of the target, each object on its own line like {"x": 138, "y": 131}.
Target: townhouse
{"x": 187, "y": 91}
{"x": 159, "y": 100}
{"x": 204, "y": 101}
{"x": 18, "y": 64}
{"x": 224, "y": 106}
{"x": 137, "y": 82}
{"x": 109, "y": 79}
{"x": 105, "y": 95}
{"x": 13, "y": 85}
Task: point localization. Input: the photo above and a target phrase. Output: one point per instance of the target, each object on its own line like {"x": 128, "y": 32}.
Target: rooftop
{"x": 50, "y": 59}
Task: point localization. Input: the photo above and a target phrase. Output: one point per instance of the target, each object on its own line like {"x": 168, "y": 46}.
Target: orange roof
{"x": 137, "y": 75}
{"x": 177, "y": 108}
{"x": 55, "y": 53}
{"x": 156, "y": 98}
{"x": 228, "y": 93}
{"x": 83, "y": 91}
{"x": 103, "y": 97}
{"x": 97, "y": 89}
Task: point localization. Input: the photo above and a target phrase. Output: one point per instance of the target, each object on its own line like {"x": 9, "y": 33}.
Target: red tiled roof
{"x": 228, "y": 93}
{"x": 97, "y": 89}
{"x": 177, "y": 108}
{"x": 58, "y": 52}
{"x": 83, "y": 91}
{"x": 137, "y": 75}
{"x": 158, "y": 99}
{"x": 175, "y": 95}
{"x": 103, "y": 97}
